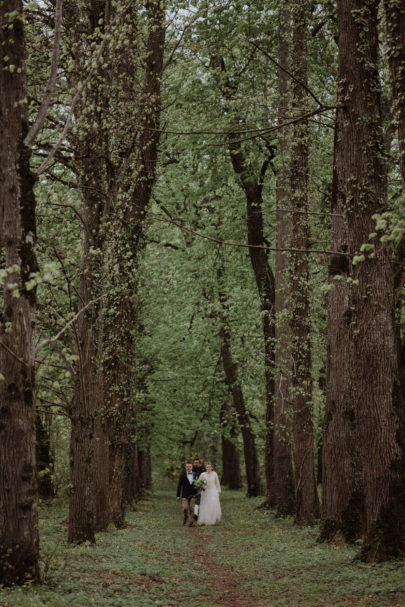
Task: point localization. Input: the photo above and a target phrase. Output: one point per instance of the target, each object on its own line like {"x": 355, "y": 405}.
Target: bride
{"x": 210, "y": 508}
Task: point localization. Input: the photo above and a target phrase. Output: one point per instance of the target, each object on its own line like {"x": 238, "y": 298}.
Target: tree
{"x": 306, "y": 496}
{"x": 281, "y": 494}
{"x": 235, "y": 390}
{"x": 124, "y": 243}
{"x": 19, "y": 541}
{"x": 364, "y": 420}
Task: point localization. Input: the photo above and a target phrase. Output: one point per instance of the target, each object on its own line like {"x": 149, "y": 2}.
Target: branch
{"x": 249, "y": 246}
{"x": 12, "y": 354}
{"x": 71, "y": 321}
{"x": 276, "y": 63}
{"x": 257, "y": 132}
{"x": 40, "y": 119}
{"x": 95, "y": 63}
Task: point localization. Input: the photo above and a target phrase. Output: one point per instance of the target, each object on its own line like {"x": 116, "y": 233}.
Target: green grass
{"x": 151, "y": 562}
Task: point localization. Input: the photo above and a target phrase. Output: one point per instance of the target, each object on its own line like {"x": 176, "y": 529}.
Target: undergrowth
{"x": 151, "y": 562}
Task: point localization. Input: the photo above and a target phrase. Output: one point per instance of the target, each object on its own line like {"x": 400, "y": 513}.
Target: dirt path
{"x": 225, "y": 581}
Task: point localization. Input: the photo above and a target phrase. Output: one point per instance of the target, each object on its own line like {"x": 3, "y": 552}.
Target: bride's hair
{"x": 209, "y": 464}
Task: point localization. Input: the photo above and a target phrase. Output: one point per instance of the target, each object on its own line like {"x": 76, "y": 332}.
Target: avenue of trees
{"x": 202, "y": 251}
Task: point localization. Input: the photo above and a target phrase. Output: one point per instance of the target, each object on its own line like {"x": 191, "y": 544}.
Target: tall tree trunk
{"x": 266, "y": 288}
{"x": 306, "y": 497}
{"x": 88, "y": 443}
{"x": 366, "y": 323}
{"x": 281, "y": 496}
{"x": 231, "y": 474}
{"x": 87, "y": 401}
{"x": 125, "y": 241}
{"x": 342, "y": 496}
{"x": 18, "y": 486}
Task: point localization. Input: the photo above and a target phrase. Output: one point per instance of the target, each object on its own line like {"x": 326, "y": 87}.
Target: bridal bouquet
{"x": 200, "y": 483}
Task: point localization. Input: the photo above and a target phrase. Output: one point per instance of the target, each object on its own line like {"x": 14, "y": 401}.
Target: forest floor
{"x": 250, "y": 559}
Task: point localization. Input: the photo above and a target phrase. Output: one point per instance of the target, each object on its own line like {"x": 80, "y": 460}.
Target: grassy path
{"x": 250, "y": 559}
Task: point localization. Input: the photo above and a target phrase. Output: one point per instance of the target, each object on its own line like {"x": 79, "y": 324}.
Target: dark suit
{"x": 184, "y": 489}
{"x": 187, "y": 491}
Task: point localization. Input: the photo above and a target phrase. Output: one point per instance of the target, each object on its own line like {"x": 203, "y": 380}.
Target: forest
{"x": 202, "y": 253}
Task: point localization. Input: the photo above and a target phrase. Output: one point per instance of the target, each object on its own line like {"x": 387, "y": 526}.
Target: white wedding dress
{"x": 210, "y": 508}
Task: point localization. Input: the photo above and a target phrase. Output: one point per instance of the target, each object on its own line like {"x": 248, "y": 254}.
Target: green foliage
{"x": 154, "y": 562}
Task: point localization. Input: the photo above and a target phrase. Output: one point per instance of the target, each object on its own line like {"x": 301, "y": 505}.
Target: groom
{"x": 187, "y": 492}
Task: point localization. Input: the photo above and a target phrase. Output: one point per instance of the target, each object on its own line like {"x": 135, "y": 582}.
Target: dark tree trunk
{"x": 266, "y": 289}
{"x": 319, "y": 462}
{"x": 342, "y": 496}
{"x": 249, "y": 444}
{"x": 88, "y": 443}
{"x": 144, "y": 469}
{"x": 131, "y": 478}
{"x": 281, "y": 496}
{"x": 306, "y": 497}
{"x": 18, "y": 485}
{"x": 131, "y": 489}
{"x": 87, "y": 402}
{"x": 231, "y": 474}
{"x": 101, "y": 475}
{"x": 43, "y": 459}
{"x": 235, "y": 390}
{"x": 365, "y": 325}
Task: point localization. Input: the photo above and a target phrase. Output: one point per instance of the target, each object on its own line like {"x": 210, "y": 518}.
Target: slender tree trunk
{"x": 44, "y": 462}
{"x": 249, "y": 445}
{"x": 365, "y": 326}
{"x": 252, "y": 186}
{"x": 282, "y": 496}
{"x": 306, "y": 497}
{"x": 266, "y": 289}
{"x": 131, "y": 489}
{"x": 231, "y": 474}
{"x": 144, "y": 468}
{"x": 235, "y": 389}
{"x": 18, "y": 486}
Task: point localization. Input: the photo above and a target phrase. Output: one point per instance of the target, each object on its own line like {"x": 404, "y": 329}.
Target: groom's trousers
{"x": 188, "y": 507}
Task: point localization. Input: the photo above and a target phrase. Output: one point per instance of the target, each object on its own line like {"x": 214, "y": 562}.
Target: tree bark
{"x": 18, "y": 486}
{"x": 88, "y": 443}
{"x": 282, "y": 496}
{"x": 365, "y": 324}
{"x": 306, "y": 496}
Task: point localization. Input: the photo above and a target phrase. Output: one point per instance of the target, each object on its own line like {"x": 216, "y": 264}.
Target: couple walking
{"x": 199, "y": 491}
